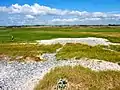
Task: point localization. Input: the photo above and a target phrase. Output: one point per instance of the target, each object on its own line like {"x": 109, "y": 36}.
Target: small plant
{"x": 62, "y": 84}
{"x": 118, "y": 63}
{"x": 12, "y": 38}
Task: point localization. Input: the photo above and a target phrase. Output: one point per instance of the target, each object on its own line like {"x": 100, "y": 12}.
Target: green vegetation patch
{"x": 93, "y": 52}
{"x": 31, "y": 50}
{"x": 80, "y": 78}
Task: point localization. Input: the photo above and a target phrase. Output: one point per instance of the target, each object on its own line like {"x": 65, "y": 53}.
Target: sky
{"x": 59, "y": 12}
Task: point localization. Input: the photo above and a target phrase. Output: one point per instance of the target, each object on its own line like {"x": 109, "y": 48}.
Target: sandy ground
{"x": 90, "y": 41}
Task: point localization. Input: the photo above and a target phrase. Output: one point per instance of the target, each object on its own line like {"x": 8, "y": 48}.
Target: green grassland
{"x": 33, "y": 34}
{"x": 80, "y": 78}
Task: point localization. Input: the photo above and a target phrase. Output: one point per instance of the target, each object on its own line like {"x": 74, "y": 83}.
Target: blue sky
{"x": 73, "y": 12}
{"x": 89, "y": 5}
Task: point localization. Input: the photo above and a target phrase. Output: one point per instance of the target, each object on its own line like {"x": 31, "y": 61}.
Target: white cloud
{"x": 91, "y": 19}
{"x": 37, "y": 9}
{"x": 70, "y": 20}
{"x": 39, "y": 14}
{"x": 66, "y": 20}
{"x": 99, "y": 14}
{"x": 33, "y": 9}
{"x": 30, "y": 17}
{"x": 3, "y": 9}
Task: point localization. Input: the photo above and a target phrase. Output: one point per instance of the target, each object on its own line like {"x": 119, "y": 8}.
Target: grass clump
{"x": 93, "y": 52}
{"x": 26, "y": 50}
{"x": 81, "y": 79}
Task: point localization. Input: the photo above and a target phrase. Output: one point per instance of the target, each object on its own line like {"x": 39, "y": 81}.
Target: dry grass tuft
{"x": 80, "y": 78}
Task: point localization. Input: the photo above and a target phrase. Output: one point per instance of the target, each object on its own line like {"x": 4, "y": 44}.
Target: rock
{"x": 32, "y": 58}
{"x": 5, "y": 57}
{"x": 19, "y": 57}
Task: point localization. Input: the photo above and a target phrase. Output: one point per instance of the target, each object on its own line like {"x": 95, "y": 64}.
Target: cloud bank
{"x": 37, "y": 14}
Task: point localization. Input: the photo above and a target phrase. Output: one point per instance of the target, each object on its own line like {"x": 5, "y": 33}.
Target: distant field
{"x": 32, "y": 34}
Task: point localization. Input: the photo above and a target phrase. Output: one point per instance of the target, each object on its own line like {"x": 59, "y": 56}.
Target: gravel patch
{"x": 25, "y": 75}
{"x": 90, "y": 41}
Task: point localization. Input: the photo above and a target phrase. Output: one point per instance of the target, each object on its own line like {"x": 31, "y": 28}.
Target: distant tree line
{"x": 14, "y": 26}
{"x": 113, "y": 24}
